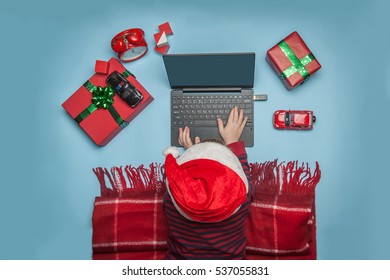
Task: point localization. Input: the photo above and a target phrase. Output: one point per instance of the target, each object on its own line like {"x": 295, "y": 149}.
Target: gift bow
{"x": 298, "y": 65}
{"x": 101, "y": 98}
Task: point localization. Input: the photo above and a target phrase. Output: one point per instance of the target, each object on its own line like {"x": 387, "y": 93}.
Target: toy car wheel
{"x": 314, "y": 119}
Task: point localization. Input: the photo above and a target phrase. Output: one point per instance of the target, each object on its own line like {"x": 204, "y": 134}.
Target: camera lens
{"x": 124, "y": 89}
{"x": 131, "y": 95}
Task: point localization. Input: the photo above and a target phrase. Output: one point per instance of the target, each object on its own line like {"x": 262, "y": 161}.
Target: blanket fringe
{"x": 284, "y": 178}
{"x": 131, "y": 181}
{"x": 269, "y": 177}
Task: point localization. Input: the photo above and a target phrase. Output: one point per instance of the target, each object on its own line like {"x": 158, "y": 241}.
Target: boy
{"x": 208, "y": 194}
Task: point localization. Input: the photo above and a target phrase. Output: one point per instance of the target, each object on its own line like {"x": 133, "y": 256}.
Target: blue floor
{"x": 49, "y": 49}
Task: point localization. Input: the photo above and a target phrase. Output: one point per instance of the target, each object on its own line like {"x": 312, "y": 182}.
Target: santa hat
{"x": 206, "y": 183}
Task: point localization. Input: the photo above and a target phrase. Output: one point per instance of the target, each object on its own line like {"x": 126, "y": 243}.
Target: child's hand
{"x": 235, "y": 125}
{"x": 185, "y": 139}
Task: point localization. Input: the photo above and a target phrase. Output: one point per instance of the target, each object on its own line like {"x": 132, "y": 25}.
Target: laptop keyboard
{"x": 203, "y": 109}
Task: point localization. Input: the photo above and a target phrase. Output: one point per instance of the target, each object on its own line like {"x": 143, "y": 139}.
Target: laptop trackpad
{"x": 203, "y": 133}
{"x": 212, "y": 133}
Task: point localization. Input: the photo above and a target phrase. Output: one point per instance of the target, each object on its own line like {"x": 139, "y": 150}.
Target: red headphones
{"x": 130, "y": 44}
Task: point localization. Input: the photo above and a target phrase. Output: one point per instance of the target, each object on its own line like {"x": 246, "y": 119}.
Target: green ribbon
{"x": 297, "y": 65}
{"x": 102, "y": 98}
{"x": 127, "y": 73}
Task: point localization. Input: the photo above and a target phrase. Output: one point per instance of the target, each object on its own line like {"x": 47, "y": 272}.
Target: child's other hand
{"x": 235, "y": 125}
{"x": 185, "y": 139}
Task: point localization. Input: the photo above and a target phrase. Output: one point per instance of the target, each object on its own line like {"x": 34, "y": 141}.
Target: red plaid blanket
{"x": 128, "y": 221}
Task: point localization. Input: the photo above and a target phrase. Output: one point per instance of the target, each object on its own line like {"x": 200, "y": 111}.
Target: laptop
{"x": 205, "y": 86}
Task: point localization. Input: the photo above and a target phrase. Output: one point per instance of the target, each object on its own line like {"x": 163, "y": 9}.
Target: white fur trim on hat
{"x": 174, "y": 151}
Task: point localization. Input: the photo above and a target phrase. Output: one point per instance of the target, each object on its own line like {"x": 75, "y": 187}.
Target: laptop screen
{"x": 210, "y": 70}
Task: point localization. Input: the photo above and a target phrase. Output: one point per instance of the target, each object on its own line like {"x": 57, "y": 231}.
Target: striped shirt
{"x": 222, "y": 240}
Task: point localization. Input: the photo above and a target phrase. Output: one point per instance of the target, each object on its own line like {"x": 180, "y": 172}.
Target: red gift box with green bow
{"x": 98, "y": 110}
{"x": 292, "y": 60}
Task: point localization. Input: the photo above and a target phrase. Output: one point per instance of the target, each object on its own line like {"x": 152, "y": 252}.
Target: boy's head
{"x": 206, "y": 183}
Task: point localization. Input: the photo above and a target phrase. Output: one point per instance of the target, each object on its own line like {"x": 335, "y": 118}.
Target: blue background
{"x": 49, "y": 48}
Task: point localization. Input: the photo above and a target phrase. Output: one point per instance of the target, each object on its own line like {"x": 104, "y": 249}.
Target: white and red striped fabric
{"x": 128, "y": 221}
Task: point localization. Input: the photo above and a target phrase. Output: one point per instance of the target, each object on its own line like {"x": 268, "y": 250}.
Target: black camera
{"x": 124, "y": 89}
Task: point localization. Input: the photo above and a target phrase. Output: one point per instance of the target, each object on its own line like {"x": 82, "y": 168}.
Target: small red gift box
{"x": 292, "y": 60}
{"x": 100, "y": 112}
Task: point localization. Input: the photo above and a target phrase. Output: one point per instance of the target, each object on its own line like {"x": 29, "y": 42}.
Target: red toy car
{"x": 293, "y": 119}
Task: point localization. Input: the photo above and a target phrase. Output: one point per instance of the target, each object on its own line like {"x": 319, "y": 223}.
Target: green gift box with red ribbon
{"x": 98, "y": 110}
{"x": 292, "y": 61}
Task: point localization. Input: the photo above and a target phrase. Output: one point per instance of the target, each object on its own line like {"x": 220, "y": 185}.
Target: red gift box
{"x": 292, "y": 60}
{"x": 102, "y": 120}
{"x": 101, "y": 67}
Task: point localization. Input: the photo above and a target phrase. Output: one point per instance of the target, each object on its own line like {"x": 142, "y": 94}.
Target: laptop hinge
{"x": 211, "y": 89}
